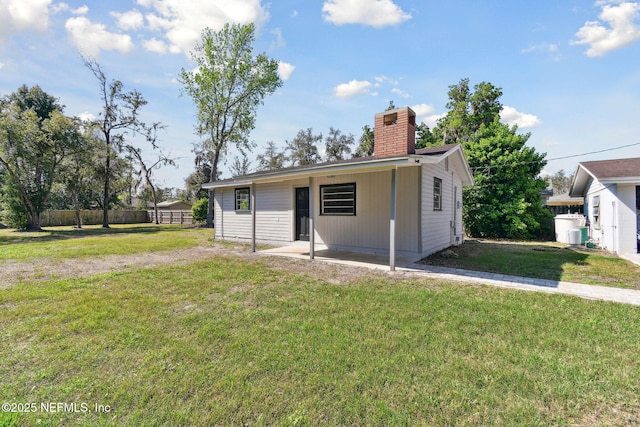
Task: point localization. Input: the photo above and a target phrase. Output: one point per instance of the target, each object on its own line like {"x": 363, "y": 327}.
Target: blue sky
{"x": 569, "y": 69}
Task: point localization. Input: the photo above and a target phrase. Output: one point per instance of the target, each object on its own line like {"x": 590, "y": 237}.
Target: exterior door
{"x": 302, "y": 213}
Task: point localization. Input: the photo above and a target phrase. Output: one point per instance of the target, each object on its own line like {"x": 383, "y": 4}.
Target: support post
{"x": 253, "y": 217}
{"x": 312, "y": 230}
{"x": 392, "y": 221}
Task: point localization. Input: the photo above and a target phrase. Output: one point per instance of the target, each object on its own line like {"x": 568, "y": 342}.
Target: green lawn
{"x": 242, "y": 340}
{"x": 549, "y": 260}
{"x": 67, "y": 242}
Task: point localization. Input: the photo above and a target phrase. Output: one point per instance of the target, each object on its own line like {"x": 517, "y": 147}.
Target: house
{"x": 400, "y": 201}
{"x": 561, "y": 204}
{"x": 174, "y": 205}
{"x": 611, "y": 193}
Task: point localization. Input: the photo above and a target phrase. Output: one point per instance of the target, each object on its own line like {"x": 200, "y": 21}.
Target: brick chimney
{"x": 395, "y": 133}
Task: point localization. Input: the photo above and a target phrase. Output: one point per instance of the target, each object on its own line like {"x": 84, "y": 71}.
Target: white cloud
{"x": 385, "y": 79}
{"x": 354, "y": 87}
{"x": 155, "y": 45}
{"x": 91, "y": 38}
{"x": 511, "y": 116}
{"x": 617, "y": 28}
{"x": 131, "y": 20}
{"x": 425, "y": 114}
{"x": 82, "y": 10}
{"x": 377, "y": 13}
{"x": 63, "y": 7}
{"x": 86, "y": 117}
{"x": 23, "y": 15}
{"x": 279, "y": 41}
{"x": 400, "y": 93}
{"x": 285, "y": 69}
{"x": 182, "y": 22}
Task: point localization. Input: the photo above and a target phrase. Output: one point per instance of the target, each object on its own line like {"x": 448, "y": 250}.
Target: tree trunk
{"x": 76, "y": 206}
{"x": 105, "y": 206}
{"x": 34, "y": 221}
{"x": 213, "y": 177}
{"x": 155, "y": 202}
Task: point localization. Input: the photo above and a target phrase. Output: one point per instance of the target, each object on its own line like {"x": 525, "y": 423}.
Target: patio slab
{"x": 358, "y": 259}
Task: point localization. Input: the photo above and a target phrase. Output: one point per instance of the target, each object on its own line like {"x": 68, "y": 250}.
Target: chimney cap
{"x": 396, "y": 110}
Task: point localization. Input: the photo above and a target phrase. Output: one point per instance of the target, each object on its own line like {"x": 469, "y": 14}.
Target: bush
{"x": 199, "y": 210}
{"x": 13, "y": 214}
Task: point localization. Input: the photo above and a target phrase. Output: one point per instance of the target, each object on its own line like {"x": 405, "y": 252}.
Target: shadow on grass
{"x": 65, "y": 233}
{"x": 536, "y": 260}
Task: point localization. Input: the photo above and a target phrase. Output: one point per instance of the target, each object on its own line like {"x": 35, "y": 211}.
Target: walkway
{"x": 409, "y": 266}
{"x": 605, "y": 293}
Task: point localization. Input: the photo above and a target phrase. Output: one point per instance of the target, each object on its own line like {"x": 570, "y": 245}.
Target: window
{"x": 595, "y": 211}
{"x": 243, "y": 203}
{"x": 338, "y": 199}
{"x": 437, "y": 194}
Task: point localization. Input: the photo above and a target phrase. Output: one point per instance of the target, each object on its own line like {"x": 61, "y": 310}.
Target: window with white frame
{"x": 338, "y": 199}
{"x": 243, "y": 201}
{"x": 595, "y": 211}
{"x": 437, "y": 194}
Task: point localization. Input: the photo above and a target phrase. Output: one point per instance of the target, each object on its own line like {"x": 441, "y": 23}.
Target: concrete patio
{"x": 411, "y": 266}
{"x": 358, "y": 259}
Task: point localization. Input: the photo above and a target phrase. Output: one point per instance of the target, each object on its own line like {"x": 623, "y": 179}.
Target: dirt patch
{"x": 13, "y": 272}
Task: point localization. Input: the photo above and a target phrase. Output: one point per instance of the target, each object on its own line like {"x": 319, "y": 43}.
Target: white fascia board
{"x": 226, "y": 184}
{"x": 623, "y": 180}
{"x": 374, "y": 165}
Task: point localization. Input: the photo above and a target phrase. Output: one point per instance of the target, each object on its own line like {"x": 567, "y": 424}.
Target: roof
{"x": 355, "y": 165}
{"x": 606, "y": 171}
{"x": 170, "y": 203}
{"x": 565, "y": 200}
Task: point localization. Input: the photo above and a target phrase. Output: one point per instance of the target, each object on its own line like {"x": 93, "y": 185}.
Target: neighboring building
{"x": 611, "y": 193}
{"x": 174, "y": 205}
{"x": 398, "y": 201}
{"x": 564, "y": 204}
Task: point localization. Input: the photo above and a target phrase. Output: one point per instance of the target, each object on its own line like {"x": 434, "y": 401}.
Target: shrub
{"x": 199, "y": 210}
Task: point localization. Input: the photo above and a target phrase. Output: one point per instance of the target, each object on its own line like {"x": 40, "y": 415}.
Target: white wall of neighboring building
{"x": 616, "y": 228}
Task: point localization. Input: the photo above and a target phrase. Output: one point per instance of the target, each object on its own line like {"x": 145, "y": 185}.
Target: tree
{"x": 240, "y": 166}
{"x": 227, "y": 88}
{"x": 467, "y": 112}
{"x": 424, "y": 136}
{"x": 337, "y": 146}
{"x": 505, "y": 200}
{"x": 119, "y": 116}
{"x": 271, "y": 159}
{"x": 560, "y": 182}
{"x": 35, "y": 137}
{"x": 146, "y": 169}
{"x": 77, "y": 172}
{"x": 303, "y": 149}
{"x": 366, "y": 143}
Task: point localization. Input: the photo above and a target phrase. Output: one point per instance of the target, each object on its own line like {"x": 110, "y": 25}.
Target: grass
{"x": 549, "y": 260}
{"x": 66, "y": 242}
{"x": 241, "y": 341}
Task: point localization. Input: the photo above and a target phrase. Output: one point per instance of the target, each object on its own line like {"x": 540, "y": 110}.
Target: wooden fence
{"x": 172, "y": 217}
{"x": 88, "y": 217}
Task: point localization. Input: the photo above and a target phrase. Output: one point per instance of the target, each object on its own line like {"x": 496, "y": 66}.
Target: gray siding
{"x": 230, "y": 224}
{"x": 274, "y": 218}
{"x": 437, "y": 226}
{"x": 369, "y": 228}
